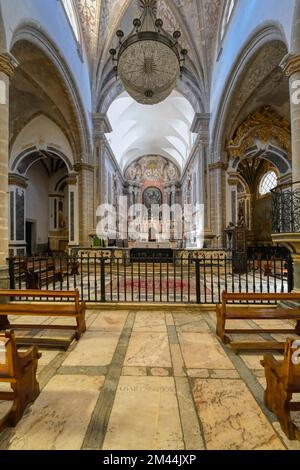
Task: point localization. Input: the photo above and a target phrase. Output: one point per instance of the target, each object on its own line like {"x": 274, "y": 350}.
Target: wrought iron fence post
{"x": 102, "y": 273}
{"x": 11, "y": 270}
{"x": 198, "y": 289}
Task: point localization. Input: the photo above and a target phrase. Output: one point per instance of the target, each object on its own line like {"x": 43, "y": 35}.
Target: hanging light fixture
{"x": 148, "y": 61}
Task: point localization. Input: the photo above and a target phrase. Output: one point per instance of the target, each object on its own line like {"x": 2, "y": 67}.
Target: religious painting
{"x": 151, "y": 197}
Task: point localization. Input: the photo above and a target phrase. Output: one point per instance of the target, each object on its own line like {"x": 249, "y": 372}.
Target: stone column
{"x": 17, "y": 194}
{"x": 291, "y": 67}
{"x": 200, "y": 126}
{"x": 73, "y": 212}
{"x": 218, "y": 201}
{"x": 7, "y": 66}
{"x": 101, "y": 127}
{"x": 85, "y": 202}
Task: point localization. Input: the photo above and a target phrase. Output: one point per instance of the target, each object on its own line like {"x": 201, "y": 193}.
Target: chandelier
{"x": 148, "y": 61}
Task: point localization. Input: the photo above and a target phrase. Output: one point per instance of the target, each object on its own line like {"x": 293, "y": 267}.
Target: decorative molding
{"x": 262, "y": 125}
{"x": 291, "y": 64}
{"x": 78, "y": 167}
{"x": 101, "y": 125}
{"x": 72, "y": 179}
{"x": 8, "y": 64}
{"x": 17, "y": 180}
{"x": 233, "y": 178}
{"x": 218, "y": 166}
{"x": 200, "y": 126}
{"x": 108, "y": 152}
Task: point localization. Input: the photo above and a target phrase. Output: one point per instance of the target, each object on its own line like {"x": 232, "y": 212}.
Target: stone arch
{"x": 266, "y": 134}
{"x": 112, "y": 88}
{"x": 41, "y": 136}
{"x": 267, "y": 36}
{"x": 191, "y": 86}
{"x": 31, "y": 33}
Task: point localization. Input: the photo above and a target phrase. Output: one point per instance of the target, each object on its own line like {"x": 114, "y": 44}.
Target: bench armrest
{"x": 270, "y": 362}
{"x": 26, "y": 357}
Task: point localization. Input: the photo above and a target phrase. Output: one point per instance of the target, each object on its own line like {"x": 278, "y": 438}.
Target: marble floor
{"x": 156, "y": 380}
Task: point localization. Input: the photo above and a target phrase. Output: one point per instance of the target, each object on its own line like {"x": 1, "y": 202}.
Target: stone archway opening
{"x": 40, "y": 196}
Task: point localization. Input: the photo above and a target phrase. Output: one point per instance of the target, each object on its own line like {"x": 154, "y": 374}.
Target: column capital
{"x": 218, "y": 166}
{"x": 72, "y": 179}
{"x": 200, "y": 126}
{"x": 101, "y": 126}
{"x": 78, "y": 167}
{"x": 8, "y": 64}
{"x": 291, "y": 64}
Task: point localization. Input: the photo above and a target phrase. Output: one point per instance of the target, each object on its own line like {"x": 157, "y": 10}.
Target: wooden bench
{"x": 245, "y": 311}
{"x": 69, "y": 307}
{"x": 18, "y": 370}
{"x": 38, "y": 272}
{"x": 283, "y": 380}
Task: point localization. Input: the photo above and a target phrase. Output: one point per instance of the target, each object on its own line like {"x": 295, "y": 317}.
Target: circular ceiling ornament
{"x": 149, "y": 61}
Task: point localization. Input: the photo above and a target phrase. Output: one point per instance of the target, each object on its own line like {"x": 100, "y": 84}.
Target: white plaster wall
{"x": 49, "y": 16}
{"x": 37, "y": 203}
{"x": 248, "y": 17}
{"x": 41, "y": 131}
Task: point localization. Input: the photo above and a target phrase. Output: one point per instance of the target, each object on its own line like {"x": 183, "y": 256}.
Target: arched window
{"x": 71, "y": 14}
{"x": 226, "y": 17}
{"x": 267, "y": 183}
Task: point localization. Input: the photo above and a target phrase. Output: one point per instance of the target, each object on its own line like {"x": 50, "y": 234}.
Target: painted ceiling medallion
{"x": 148, "y": 61}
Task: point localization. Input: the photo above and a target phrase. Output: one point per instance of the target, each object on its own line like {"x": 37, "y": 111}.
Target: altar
{"x": 152, "y": 245}
{"x": 152, "y": 254}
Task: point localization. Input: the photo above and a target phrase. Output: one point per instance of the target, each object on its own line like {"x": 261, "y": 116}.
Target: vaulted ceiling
{"x": 198, "y": 21}
{"x": 164, "y": 129}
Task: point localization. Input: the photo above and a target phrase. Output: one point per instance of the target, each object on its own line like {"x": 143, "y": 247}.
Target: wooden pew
{"x": 40, "y": 271}
{"x": 19, "y": 370}
{"x": 68, "y": 307}
{"x": 245, "y": 311}
{"x": 283, "y": 380}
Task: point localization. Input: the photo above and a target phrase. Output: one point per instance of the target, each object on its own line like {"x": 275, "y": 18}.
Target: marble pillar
{"x": 291, "y": 66}
{"x": 7, "y": 66}
{"x": 200, "y": 126}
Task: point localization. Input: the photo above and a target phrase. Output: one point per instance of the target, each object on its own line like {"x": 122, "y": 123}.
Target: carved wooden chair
{"x": 283, "y": 380}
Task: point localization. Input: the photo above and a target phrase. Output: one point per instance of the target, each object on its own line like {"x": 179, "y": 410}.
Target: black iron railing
{"x": 185, "y": 279}
{"x": 286, "y": 208}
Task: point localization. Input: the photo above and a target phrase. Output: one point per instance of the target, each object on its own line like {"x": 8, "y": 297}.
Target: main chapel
{"x": 149, "y": 225}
